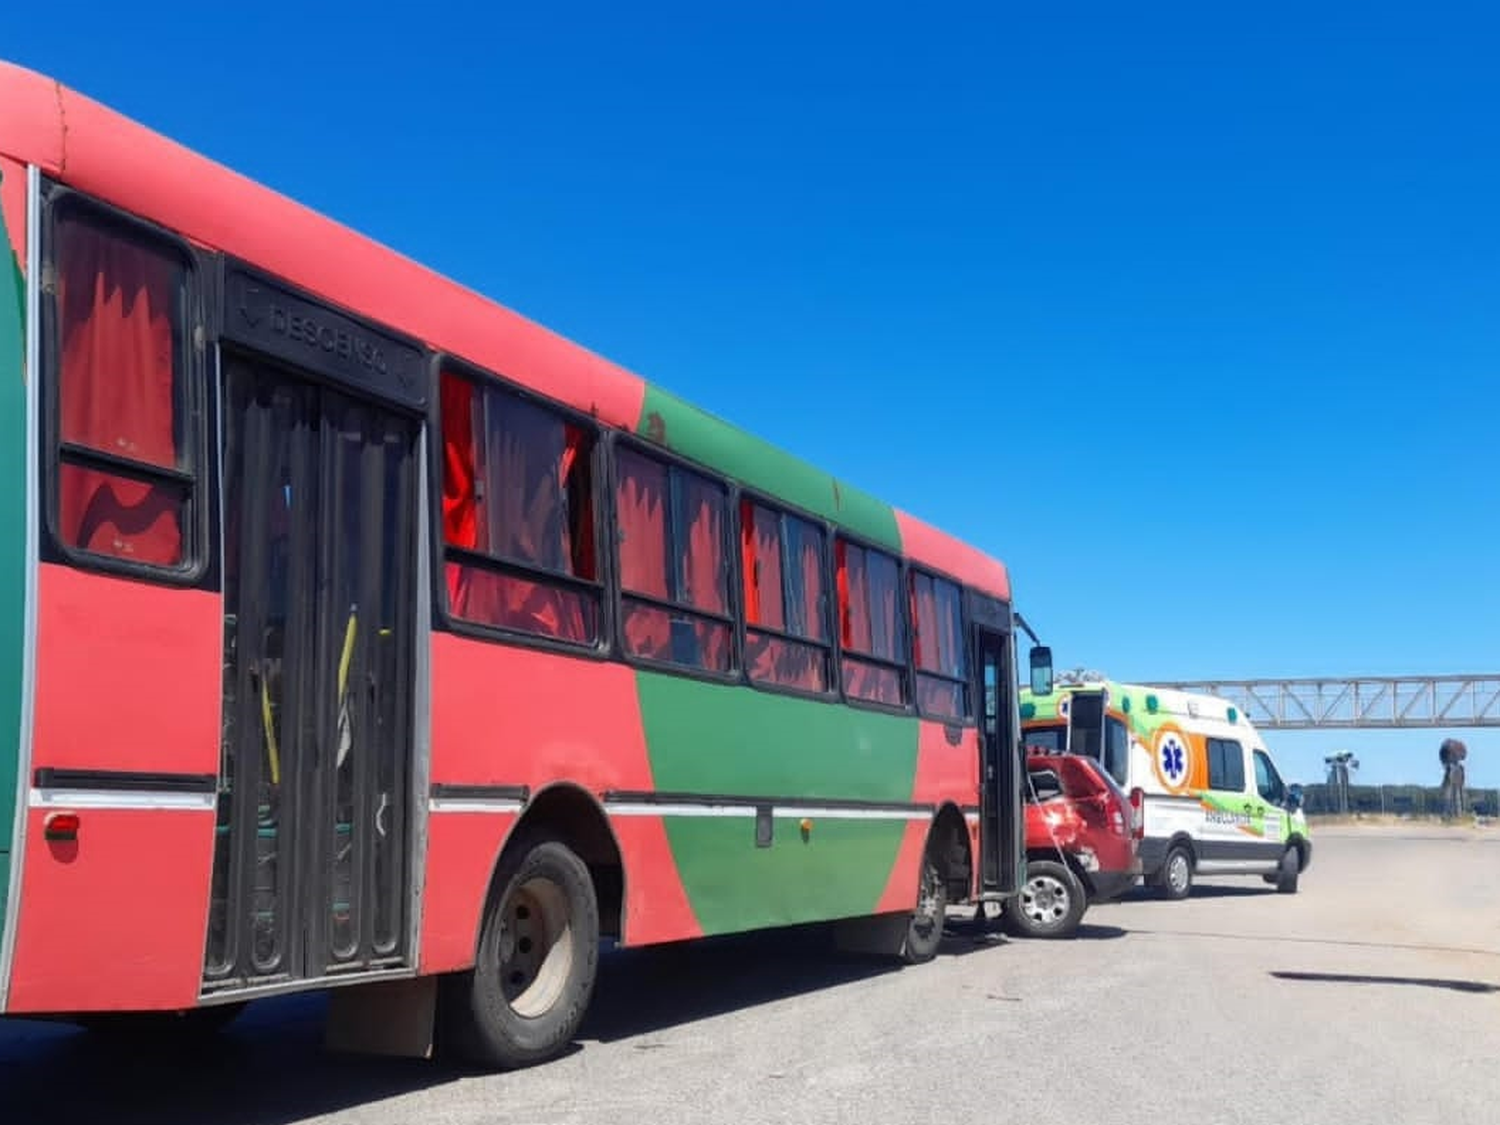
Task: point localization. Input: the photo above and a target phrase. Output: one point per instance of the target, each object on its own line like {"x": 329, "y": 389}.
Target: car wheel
{"x": 1051, "y": 903}
{"x": 1177, "y": 873}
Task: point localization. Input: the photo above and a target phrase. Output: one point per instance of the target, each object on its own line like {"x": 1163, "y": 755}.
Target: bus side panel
{"x": 128, "y": 676}
{"x": 656, "y": 903}
{"x": 711, "y": 740}
{"x": 128, "y": 679}
{"x": 13, "y": 539}
{"x": 947, "y": 771}
{"x": 113, "y": 921}
{"x": 509, "y": 716}
{"x": 947, "y": 767}
{"x": 506, "y": 715}
{"x": 818, "y": 867}
{"x": 461, "y": 850}
{"x": 901, "y": 888}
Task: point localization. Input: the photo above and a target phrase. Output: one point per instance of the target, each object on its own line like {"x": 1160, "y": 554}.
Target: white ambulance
{"x": 1213, "y": 800}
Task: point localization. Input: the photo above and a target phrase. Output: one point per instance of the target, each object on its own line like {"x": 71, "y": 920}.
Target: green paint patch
{"x": 12, "y": 535}
{"x": 733, "y": 741}
{"x": 694, "y": 433}
{"x": 839, "y": 870}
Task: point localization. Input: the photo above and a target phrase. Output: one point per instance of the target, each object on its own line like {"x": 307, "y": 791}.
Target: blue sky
{"x": 1188, "y": 314}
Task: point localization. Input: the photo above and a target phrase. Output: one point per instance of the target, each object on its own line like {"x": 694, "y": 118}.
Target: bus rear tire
{"x": 524, "y": 999}
{"x": 924, "y": 932}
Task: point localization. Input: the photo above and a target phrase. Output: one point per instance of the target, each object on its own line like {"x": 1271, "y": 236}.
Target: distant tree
{"x": 1340, "y": 766}
{"x": 1451, "y": 755}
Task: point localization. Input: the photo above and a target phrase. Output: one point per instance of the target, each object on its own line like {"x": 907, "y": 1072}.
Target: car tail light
{"x": 1138, "y": 813}
{"x": 1114, "y": 812}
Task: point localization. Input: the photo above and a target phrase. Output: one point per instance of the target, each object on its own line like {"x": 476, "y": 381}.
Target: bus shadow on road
{"x": 268, "y": 1068}
{"x": 658, "y": 987}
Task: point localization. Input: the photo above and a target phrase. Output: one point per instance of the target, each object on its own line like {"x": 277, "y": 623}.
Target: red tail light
{"x": 1114, "y": 811}
{"x": 1138, "y": 813}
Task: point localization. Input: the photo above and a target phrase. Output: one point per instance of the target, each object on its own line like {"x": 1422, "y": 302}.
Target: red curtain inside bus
{"x": 937, "y": 648}
{"x": 703, "y": 569}
{"x": 772, "y": 659}
{"x": 117, "y": 306}
{"x": 760, "y": 547}
{"x": 460, "y": 513}
{"x": 868, "y": 623}
{"x": 655, "y": 507}
{"x": 641, "y": 512}
{"x": 517, "y": 489}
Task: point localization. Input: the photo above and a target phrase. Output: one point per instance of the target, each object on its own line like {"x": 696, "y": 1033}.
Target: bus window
{"x": 938, "y": 649}
{"x": 518, "y": 514}
{"x": 870, "y": 625}
{"x": 786, "y": 634}
{"x": 119, "y": 388}
{"x": 672, "y": 564}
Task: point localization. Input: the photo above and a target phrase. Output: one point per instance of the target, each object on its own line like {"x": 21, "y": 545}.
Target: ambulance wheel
{"x": 1177, "y": 873}
{"x": 1287, "y": 872}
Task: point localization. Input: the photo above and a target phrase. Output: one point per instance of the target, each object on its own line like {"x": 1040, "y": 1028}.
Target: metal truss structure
{"x": 1362, "y": 702}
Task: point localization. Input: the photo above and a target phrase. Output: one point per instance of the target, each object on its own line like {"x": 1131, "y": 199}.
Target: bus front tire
{"x": 524, "y": 999}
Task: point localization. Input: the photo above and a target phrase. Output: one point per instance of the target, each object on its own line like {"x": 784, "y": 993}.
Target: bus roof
{"x": 98, "y": 151}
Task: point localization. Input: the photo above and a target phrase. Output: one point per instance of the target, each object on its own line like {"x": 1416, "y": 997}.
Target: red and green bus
{"x": 358, "y": 634}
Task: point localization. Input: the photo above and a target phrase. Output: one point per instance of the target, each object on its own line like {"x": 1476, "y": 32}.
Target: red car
{"x": 1081, "y": 837}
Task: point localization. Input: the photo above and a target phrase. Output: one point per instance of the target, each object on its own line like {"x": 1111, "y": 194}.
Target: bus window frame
{"x": 734, "y": 615}
{"x": 827, "y": 571}
{"x": 195, "y": 402}
{"x": 903, "y": 663}
{"x": 965, "y": 681}
{"x": 602, "y": 648}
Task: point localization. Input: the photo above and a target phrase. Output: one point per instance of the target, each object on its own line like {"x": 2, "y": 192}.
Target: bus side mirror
{"x": 1041, "y": 670}
{"x": 1293, "y": 797}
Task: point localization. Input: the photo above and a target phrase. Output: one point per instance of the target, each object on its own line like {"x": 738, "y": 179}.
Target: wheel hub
{"x": 1045, "y": 900}
{"x": 536, "y": 948}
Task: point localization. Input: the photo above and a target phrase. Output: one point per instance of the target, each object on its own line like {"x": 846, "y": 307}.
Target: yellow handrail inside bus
{"x": 265, "y": 717}
{"x": 347, "y": 656}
